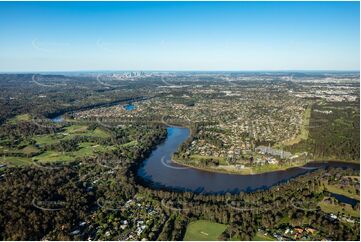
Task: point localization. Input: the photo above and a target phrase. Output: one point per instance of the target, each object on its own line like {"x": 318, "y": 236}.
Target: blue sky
{"x": 71, "y": 36}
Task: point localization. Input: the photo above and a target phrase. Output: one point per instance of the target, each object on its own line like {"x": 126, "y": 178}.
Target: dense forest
{"x": 334, "y": 132}
{"x": 75, "y": 199}
{"x": 63, "y": 193}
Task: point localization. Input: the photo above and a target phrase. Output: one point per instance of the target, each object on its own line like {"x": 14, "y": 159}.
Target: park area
{"x": 202, "y": 230}
{"x": 48, "y": 147}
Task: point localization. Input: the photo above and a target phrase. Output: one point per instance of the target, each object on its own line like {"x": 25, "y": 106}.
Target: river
{"x": 157, "y": 171}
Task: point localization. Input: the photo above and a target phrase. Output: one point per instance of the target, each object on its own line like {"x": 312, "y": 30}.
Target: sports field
{"x": 204, "y": 230}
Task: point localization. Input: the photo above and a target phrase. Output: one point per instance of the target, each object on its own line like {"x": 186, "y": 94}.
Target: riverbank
{"x": 237, "y": 171}
{"x": 251, "y": 171}
{"x": 158, "y": 172}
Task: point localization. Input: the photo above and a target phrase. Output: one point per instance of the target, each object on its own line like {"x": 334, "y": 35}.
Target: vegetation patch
{"x": 304, "y": 131}
{"x": 331, "y": 205}
{"x": 20, "y": 118}
{"x": 261, "y": 237}
{"x": 348, "y": 191}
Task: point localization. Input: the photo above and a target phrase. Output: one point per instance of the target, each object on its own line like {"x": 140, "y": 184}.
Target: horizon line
{"x": 140, "y": 70}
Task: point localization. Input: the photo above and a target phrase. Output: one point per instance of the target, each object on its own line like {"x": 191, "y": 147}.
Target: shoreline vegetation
{"x": 251, "y": 171}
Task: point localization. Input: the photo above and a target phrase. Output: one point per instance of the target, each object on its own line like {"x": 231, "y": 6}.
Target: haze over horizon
{"x": 179, "y": 36}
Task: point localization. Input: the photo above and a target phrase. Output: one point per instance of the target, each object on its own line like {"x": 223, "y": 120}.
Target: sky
{"x": 216, "y": 36}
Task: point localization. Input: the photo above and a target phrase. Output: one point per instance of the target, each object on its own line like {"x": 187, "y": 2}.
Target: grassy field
{"x": 204, "y": 230}
{"x": 348, "y": 192}
{"x": 14, "y": 161}
{"x": 46, "y": 139}
{"x": 69, "y": 133}
{"x": 335, "y": 208}
{"x": 274, "y": 167}
{"x": 284, "y": 220}
{"x": 53, "y": 156}
{"x": 83, "y": 131}
{"x": 30, "y": 149}
{"x": 19, "y": 118}
{"x": 200, "y": 157}
{"x": 262, "y": 237}
{"x": 131, "y": 143}
{"x": 85, "y": 148}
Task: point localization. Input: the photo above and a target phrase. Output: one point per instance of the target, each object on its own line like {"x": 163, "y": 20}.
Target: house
{"x": 311, "y": 230}
{"x": 299, "y": 230}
